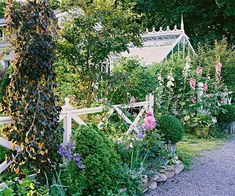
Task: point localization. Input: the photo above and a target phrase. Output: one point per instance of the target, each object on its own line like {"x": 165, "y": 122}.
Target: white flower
{"x": 186, "y": 118}
{"x": 160, "y": 78}
{"x": 169, "y": 84}
{"x": 170, "y": 78}
{"x": 214, "y": 120}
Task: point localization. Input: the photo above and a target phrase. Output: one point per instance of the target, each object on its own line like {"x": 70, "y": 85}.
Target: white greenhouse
{"x": 160, "y": 45}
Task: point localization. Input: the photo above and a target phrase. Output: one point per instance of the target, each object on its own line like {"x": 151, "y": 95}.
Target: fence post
{"x": 67, "y": 121}
{"x": 150, "y": 100}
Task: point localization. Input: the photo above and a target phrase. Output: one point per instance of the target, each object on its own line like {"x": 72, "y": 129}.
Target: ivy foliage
{"x": 30, "y": 99}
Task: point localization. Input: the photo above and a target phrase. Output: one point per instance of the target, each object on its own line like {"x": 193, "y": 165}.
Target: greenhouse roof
{"x": 157, "y": 45}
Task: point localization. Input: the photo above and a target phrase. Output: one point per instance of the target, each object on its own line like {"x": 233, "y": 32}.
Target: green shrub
{"x": 27, "y": 186}
{"x": 130, "y": 79}
{"x": 227, "y": 114}
{"x": 171, "y": 128}
{"x": 102, "y": 174}
{"x": 154, "y": 150}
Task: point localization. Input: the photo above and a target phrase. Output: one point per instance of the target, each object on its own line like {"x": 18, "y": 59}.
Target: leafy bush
{"x": 154, "y": 150}
{"x": 227, "y": 114}
{"x": 25, "y": 187}
{"x": 171, "y": 128}
{"x": 207, "y": 56}
{"x": 130, "y": 79}
{"x": 102, "y": 173}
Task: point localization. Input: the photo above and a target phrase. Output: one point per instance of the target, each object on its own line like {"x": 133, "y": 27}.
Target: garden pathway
{"x": 212, "y": 174}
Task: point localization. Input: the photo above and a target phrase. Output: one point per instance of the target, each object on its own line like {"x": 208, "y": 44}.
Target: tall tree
{"x": 30, "y": 100}
{"x": 204, "y": 19}
{"x": 100, "y": 29}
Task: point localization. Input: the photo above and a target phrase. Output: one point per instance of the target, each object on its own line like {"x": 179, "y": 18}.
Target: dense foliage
{"x": 130, "y": 79}
{"x": 220, "y": 50}
{"x": 102, "y": 173}
{"x": 204, "y": 20}
{"x": 30, "y": 100}
{"x": 227, "y": 114}
{"x": 86, "y": 42}
{"x": 171, "y": 128}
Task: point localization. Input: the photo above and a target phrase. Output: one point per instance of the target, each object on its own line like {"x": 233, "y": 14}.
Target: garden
{"x": 70, "y": 128}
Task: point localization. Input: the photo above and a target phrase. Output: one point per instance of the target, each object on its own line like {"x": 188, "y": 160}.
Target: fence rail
{"x": 69, "y": 113}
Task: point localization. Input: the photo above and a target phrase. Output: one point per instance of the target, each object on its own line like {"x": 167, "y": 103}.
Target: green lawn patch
{"x": 191, "y": 146}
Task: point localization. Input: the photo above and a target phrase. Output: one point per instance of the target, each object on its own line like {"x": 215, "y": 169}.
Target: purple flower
{"x": 67, "y": 152}
{"x": 62, "y": 151}
{"x": 119, "y": 141}
{"x": 140, "y": 135}
{"x": 129, "y": 131}
{"x": 77, "y": 159}
{"x": 80, "y": 165}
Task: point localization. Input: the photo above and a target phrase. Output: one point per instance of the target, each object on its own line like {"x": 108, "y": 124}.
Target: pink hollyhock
{"x": 218, "y": 67}
{"x": 193, "y": 100}
{"x": 222, "y": 100}
{"x": 149, "y": 122}
{"x": 199, "y": 71}
{"x": 205, "y": 87}
{"x": 192, "y": 83}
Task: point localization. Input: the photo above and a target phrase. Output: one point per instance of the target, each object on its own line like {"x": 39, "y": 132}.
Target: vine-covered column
{"x": 30, "y": 99}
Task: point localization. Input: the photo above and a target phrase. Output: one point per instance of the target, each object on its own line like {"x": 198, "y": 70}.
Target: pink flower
{"x": 149, "y": 114}
{"x": 133, "y": 100}
{"x": 222, "y": 100}
{"x": 193, "y": 100}
{"x": 192, "y": 83}
{"x": 199, "y": 71}
{"x": 218, "y": 67}
{"x": 205, "y": 86}
{"x": 149, "y": 122}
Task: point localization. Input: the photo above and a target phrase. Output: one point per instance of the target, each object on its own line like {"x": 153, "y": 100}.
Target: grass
{"x": 191, "y": 146}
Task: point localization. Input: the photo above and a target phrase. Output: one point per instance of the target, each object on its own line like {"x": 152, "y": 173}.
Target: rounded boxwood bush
{"x": 227, "y": 114}
{"x": 101, "y": 175}
{"x": 171, "y": 128}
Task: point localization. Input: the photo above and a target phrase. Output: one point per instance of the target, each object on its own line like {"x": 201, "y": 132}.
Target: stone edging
{"x": 162, "y": 175}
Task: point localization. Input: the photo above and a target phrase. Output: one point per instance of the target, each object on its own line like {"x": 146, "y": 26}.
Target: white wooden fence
{"x": 69, "y": 113}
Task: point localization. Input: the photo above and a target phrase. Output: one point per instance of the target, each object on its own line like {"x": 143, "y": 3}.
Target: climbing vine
{"x": 30, "y": 99}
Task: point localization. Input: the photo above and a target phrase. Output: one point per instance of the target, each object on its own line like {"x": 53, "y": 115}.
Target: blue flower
{"x": 62, "y": 151}
{"x": 67, "y": 152}
{"x": 77, "y": 159}
{"x": 140, "y": 135}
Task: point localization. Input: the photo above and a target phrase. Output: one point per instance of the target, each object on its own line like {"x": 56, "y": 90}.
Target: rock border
{"x": 162, "y": 175}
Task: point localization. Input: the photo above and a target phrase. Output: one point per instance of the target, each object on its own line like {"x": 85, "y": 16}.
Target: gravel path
{"x": 212, "y": 174}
